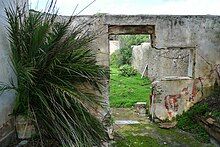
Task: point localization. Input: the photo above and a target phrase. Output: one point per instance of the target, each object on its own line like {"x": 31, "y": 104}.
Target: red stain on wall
{"x": 195, "y": 89}
{"x": 185, "y": 91}
{"x": 171, "y": 102}
{"x": 169, "y": 113}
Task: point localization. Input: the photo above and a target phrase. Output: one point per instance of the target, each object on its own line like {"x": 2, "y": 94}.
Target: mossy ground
{"x": 148, "y": 134}
{"x": 125, "y": 92}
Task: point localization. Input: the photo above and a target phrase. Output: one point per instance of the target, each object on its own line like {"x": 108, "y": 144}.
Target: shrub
{"x": 125, "y": 52}
{"x": 114, "y": 59}
{"x": 207, "y": 107}
{"x": 54, "y": 66}
{"x": 125, "y": 56}
{"x": 127, "y": 70}
{"x": 187, "y": 121}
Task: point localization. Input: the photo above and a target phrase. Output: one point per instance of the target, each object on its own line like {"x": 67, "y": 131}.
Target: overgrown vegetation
{"x": 126, "y": 85}
{"x": 148, "y": 134}
{"x": 137, "y": 141}
{"x": 126, "y": 91}
{"x": 187, "y": 121}
{"x": 124, "y": 54}
{"x": 54, "y": 69}
{"x": 127, "y": 70}
{"x": 208, "y": 107}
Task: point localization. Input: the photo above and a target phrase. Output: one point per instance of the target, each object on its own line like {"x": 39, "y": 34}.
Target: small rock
{"x": 168, "y": 125}
{"x": 141, "y": 107}
{"x": 156, "y": 120}
{"x": 25, "y": 128}
{"x": 126, "y": 122}
{"x": 110, "y": 131}
{"x": 210, "y": 120}
{"x": 105, "y": 144}
{"x": 22, "y": 143}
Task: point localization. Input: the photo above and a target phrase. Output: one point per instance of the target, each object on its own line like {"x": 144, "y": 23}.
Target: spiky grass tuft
{"x": 54, "y": 68}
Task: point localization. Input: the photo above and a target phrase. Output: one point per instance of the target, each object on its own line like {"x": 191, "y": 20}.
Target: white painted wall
{"x": 113, "y": 46}
{"x": 6, "y": 72}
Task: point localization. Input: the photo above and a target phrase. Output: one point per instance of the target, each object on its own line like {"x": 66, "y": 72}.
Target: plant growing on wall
{"x": 55, "y": 68}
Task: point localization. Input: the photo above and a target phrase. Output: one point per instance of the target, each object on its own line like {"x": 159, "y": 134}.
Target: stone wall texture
{"x": 140, "y": 56}
{"x": 176, "y": 85}
{"x": 160, "y": 63}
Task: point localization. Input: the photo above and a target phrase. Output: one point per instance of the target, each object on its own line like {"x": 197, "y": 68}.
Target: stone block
{"x": 141, "y": 108}
{"x": 25, "y": 128}
{"x": 7, "y": 133}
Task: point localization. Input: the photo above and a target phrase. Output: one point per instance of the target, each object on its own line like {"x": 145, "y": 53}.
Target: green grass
{"x": 126, "y": 91}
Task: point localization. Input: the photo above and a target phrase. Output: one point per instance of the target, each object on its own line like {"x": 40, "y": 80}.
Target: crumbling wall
{"x": 172, "y": 96}
{"x": 140, "y": 56}
{"x": 160, "y": 63}
{"x": 197, "y": 34}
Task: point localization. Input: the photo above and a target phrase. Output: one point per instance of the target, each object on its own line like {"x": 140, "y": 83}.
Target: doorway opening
{"x": 127, "y": 83}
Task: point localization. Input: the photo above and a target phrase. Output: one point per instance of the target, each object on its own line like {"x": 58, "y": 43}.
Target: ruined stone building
{"x": 156, "y": 64}
{"x": 178, "y": 84}
{"x": 186, "y": 56}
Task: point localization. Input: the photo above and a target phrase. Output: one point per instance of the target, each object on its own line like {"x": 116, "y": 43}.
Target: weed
{"x": 127, "y": 70}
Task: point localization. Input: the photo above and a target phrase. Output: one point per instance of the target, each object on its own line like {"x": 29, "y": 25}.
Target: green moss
{"x": 133, "y": 136}
{"x": 178, "y": 137}
{"x": 188, "y": 122}
{"x": 141, "y": 135}
{"x": 137, "y": 141}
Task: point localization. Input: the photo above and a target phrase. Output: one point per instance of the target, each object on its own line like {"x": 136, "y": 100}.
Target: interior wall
{"x": 6, "y": 75}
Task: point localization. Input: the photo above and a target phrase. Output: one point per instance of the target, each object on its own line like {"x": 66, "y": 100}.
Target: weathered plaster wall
{"x": 6, "y": 74}
{"x": 199, "y": 35}
{"x": 160, "y": 63}
{"x": 140, "y": 56}
{"x": 7, "y": 98}
{"x": 172, "y": 96}
{"x": 113, "y": 46}
{"x": 172, "y": 36}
